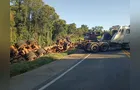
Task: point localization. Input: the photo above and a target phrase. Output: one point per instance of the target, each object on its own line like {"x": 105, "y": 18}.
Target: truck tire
{"x": 87, "y": 46}
{"x": 94, "y": 48}
{"x": 104, "y": 47}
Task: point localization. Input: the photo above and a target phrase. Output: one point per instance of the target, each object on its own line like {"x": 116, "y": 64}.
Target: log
{"x": 21, "y": 44}
{"x": 31, "y": 56}
{"x": 41, "y": 51}
{"x": 13, "y": 51}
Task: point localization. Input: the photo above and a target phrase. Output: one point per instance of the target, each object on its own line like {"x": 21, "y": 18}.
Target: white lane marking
{"x": 54, "y": 80}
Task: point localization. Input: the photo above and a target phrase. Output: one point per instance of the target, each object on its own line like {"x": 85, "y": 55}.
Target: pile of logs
{"x": 30, "y": 50}
{"x": 61, "y": 45}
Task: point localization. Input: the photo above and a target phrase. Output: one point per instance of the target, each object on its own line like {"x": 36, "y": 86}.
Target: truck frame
{"x": 120, "y": 40}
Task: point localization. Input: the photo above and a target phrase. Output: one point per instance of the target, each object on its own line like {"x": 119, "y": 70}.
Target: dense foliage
{"x": 35, "y": 19}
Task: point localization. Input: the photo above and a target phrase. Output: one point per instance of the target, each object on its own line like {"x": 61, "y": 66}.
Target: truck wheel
{"x": 87, "y": 46}
{"x": 104, "y": 47}
{"x": 94, "y": 48}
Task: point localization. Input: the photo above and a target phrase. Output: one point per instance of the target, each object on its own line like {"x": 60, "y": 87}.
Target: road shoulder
{"x": 31, "y": 79}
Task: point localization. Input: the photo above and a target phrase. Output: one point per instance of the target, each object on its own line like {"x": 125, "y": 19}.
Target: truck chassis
{"x": 95, "y": 47}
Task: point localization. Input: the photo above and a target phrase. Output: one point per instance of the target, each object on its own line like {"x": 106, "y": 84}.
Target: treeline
{"x": 35, "y": 19}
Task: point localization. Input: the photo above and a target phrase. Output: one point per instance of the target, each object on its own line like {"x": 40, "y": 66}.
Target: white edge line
{"x": 54, "y": 80}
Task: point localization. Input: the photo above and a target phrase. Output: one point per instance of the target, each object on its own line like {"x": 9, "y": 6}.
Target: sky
{"x": 92, "y": 13}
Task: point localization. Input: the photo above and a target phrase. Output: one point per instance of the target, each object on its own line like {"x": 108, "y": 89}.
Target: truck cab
{"x": 122, "y": 36}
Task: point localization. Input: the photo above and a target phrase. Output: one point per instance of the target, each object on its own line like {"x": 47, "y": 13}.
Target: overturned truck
{"x": 118, "y": 40}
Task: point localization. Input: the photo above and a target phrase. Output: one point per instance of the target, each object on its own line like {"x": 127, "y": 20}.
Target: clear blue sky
{"x": 93, "y": 12}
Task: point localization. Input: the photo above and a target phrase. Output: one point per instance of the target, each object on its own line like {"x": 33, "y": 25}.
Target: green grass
{"x": 22, "y": 67}
{"x": 57, "y": 56}
{"x": 19, "y": 68}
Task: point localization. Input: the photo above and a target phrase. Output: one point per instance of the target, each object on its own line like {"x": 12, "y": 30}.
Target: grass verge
{"x": 25, "y": 66}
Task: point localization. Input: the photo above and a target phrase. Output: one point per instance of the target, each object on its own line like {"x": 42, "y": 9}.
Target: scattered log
{"x": 41, "y": 52}
{"x": 30, "y": 49}
{"x": 21, "y": 44}
{"x": 13, "y": 51}
{"x": 31, "y": 56}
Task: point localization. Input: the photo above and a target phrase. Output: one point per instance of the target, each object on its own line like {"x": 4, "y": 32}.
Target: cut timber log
{"x": 13, "y": 51}
{"x": 41, "y": 52}
{"x": 31, "y": 56}
{"x": 21, "y": 44}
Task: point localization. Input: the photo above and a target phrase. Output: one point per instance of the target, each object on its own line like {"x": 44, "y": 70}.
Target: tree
{"x": 34, "y": 19}
{"x": 84, "y": 28}
{"x": 59, "y": 29}
{"x": 71, "y": 28}
{"x": 93, "y": 28}
{"x": 12, "y": 28}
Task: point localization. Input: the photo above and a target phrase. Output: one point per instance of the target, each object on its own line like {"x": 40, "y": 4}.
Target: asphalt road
{"x": 102, "y": 71}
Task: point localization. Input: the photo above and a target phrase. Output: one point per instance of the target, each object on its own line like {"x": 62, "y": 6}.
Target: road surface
{"x": 101, "y": 71}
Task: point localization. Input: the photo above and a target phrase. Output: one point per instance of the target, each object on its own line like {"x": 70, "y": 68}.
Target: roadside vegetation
{"x": 35, "y": 19}
{"x": 25, "y": 66}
